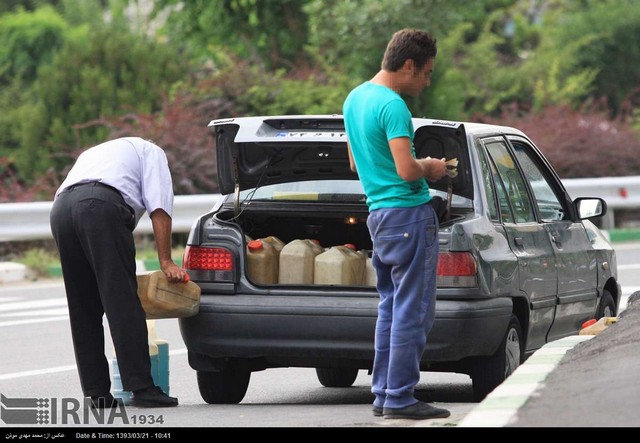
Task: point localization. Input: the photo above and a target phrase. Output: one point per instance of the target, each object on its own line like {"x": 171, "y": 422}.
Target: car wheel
{"x": 607, "y": 307}
{"x": 223, "y": 387}
{"x": 337, "y": 377}
{"x": 488, "y": 372}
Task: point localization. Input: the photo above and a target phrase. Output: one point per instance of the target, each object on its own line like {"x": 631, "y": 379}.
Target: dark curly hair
{"x": 407, "y": 44}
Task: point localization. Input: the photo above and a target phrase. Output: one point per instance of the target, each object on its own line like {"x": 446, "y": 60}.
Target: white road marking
{"x": 8, "y": 299}
{"x": 15, "y": 306}
{"x": 37, "y": 312}
{"x": 36, "y": 372}
{"x": 32, "y": 321}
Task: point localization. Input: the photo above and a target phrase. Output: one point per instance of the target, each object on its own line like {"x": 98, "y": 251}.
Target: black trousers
{"x": 92, "y": 227}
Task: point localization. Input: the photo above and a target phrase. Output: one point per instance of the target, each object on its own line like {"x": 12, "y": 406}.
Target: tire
{"x": 224, "y": 387}
{"x": 337, "y": 377}
{"x": 489, "y": 372}
{"x": 606, "y": 307}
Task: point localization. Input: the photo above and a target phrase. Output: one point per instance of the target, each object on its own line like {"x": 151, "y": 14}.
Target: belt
{"x": 98, "y": 184}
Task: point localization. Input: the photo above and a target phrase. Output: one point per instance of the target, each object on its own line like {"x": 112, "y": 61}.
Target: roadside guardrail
{"x": 30, "y": 221}
{"x": 618, "y": 192}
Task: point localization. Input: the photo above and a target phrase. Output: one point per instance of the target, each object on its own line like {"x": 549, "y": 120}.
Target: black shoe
{"x": 104, "y": 402}
{"x": 417, "y": 411}
{"x": 152, "y": 397}
{"x": 377, "y": 411}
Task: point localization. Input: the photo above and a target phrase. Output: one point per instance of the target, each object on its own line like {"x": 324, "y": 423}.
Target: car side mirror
{"x": 589, "y": 207}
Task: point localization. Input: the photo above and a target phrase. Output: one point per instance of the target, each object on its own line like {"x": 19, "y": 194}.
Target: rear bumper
{"x": 315, "y": 331}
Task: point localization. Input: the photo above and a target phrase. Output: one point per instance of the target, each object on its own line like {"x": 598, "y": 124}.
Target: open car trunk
{"x": 329, "y": 229}
{"x": 333, "y": 226}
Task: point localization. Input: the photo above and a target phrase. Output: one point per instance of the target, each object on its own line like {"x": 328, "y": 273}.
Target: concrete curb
{"x": 501, "y": 405}
{"x": 12, "y": 272}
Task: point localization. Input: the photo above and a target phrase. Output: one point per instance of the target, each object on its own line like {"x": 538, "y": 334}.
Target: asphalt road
{"x": 37, "y": 362}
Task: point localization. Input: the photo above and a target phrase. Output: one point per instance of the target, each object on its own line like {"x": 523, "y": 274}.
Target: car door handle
{"x": 556, "y": 239}
{"x": 518, "y": 242}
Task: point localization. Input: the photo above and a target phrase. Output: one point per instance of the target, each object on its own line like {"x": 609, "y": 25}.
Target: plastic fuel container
{"x": 163, "y": 299}
{"x": 370, "y": 278}
{"x": 275, "y": 242}
{"x": 297, "y": 261}
{"x": 262, "y": 262}
{"x": 339, "y": 265}
{"x": 159, "y": 356}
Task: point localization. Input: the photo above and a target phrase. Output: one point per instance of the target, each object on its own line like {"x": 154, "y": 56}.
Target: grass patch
{"x": 150, "y": 253}
{"x": 39, "y": 261}
{"x": 43, "y": 262}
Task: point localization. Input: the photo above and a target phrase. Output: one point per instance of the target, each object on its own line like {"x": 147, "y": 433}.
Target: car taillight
{"x": 456, "y": 269}
{"x": 207, "y": 259}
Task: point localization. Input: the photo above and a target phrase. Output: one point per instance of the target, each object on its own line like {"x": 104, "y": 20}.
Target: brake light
{"x": 207, "y": 259}
{"x": 456, "y": 269}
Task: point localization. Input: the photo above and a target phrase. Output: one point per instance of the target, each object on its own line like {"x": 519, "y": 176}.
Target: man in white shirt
{"x": 94, "y": 213}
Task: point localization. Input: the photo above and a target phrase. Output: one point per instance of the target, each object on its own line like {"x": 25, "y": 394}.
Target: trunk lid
{"x": 257, "y": 151}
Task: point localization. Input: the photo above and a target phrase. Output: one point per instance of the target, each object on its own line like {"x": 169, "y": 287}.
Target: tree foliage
{"x": 608, "y": 31}
{"x": 27, "y": 41}
{"x": 352, "y": 35}
{"x": 105, "y": 80}
{"x": 508, "y": 59}
{"x": 264, "y": 31}
{"x": 73, "y": 72}
{"x": 476, "y": 80}
{"x": 27, "y": 5}
{"x": 310, "y": 93}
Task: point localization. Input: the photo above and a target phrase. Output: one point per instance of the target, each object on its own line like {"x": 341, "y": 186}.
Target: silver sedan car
{"x": 520, "y": 263}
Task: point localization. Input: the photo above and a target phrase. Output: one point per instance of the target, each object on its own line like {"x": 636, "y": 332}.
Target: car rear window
{"x": 313, "y": 190}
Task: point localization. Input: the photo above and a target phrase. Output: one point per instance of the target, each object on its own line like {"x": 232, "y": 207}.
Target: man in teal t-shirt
{"x": 403, "y": 226}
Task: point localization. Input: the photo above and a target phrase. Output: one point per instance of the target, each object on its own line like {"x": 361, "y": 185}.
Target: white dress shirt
{"x": 136, "y": 167}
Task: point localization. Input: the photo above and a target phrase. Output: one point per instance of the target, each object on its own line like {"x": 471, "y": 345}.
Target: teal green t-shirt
{"x": 373, "y": 115}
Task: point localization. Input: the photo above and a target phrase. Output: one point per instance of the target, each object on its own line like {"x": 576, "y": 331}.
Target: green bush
{"x": 91, "y": 76}
{"x": 39, "y": 261}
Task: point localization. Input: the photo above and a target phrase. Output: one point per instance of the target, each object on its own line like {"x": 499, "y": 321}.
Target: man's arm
{"x": 161, "y": 222}
{"x": 411, "y": 169}
{"x": 352, "y": 163}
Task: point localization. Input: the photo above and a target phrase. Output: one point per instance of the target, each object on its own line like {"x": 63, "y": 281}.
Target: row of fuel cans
{"x": 304, "y": 261}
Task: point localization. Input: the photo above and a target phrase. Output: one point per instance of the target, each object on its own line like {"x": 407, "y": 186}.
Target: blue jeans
{"x": 405, "y": 257}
